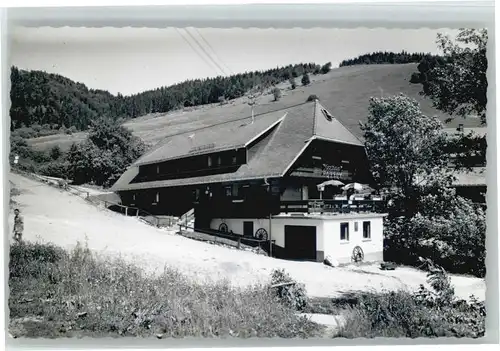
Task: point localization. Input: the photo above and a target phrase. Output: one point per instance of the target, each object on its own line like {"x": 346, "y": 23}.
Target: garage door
{"x": 300, "y": 242}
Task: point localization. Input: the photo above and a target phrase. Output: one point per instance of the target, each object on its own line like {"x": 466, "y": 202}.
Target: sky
{"x": 131, "y": 60}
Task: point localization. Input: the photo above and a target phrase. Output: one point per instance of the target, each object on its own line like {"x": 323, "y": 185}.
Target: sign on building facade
{"x": 334, "y": 172}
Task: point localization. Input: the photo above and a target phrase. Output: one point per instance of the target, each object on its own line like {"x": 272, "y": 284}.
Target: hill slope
{"x": 344, "y": 91}
{"x": 53, "y": 101}
{"x": 51, "y": 215}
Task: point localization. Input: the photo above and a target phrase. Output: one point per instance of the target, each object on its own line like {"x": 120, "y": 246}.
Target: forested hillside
{"x": 385, "y": 57}
{"x": 50, "y": 102}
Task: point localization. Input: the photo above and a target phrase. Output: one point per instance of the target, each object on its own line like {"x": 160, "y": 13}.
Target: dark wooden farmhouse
{"x": 259, "y": 175}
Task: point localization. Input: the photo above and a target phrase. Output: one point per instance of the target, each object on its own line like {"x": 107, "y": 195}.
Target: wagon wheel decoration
{"x": 223, "y": 228}
{"x": 357, "y": 254}
{"x": 261, "y": 234}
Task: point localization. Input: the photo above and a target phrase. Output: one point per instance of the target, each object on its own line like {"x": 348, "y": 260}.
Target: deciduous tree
{"x": 106, "y": 153}
{"x": 458, "y": 84}
{"x": 405, "y": 147}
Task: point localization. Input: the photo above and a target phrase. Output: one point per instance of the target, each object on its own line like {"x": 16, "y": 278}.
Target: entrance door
{"x": 248, "y": 228}
{"x": 300, "y": 242}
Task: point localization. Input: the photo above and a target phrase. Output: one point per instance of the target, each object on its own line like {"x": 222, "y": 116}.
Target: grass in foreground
{"x": 402, "y": 314}
{"x": 54, "y": 293}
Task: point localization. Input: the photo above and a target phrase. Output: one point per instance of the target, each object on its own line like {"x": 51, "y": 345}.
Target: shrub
{"x": 454, "y": 240}
{"x": 326, "y": 68}
{"x": 305, "y": 79}
{"x": 423, "y": 314}
{"x": 59, "y": 169}
{"x": 23, "y": 256}
{"x": 55, "y": 152}
{"x": 293, "y": 295}
{"x": 25, "y": 132}
{"x": 276, "y": 94}
{"x": 454, "y": 237}
{"x": 312, "y": 97}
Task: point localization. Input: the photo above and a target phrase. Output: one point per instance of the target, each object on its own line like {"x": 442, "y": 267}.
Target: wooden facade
{"x": 256, "y": 198}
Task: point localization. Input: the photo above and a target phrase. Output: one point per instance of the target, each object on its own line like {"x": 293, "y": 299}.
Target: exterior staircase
{"x": 186, "y": 221}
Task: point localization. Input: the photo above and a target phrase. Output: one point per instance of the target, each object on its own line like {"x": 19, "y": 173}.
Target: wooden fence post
{"x": 270, "y": 236}
{"x": 239, "y": 243}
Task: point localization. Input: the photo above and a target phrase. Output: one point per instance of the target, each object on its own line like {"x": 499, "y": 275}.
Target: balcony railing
{"x": 333, "y": 206}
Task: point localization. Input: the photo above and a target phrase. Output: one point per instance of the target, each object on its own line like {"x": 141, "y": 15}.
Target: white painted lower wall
{"x": 341, "y": 250}
{"x": 328, "y": 241}
{"x": 236, "y": 224}
{"x": 278, "y": 232}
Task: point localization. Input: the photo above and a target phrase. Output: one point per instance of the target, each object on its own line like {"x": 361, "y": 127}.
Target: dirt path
{"x": 52, "y": 215}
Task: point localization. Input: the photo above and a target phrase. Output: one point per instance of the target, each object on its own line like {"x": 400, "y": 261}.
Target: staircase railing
{"x": 186, "y": 218}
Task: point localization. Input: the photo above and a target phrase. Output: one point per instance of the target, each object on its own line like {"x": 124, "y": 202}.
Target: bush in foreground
{"x": 426, "y": 313}
{"x": 289, "y": 292}
{"x": 54, "y": 293}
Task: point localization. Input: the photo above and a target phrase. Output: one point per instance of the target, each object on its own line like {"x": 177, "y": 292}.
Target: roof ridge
{"x": 314, "y": 116}
{"x": 275, "y": 132}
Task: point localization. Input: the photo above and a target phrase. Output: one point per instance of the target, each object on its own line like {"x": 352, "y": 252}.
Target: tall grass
{"x": 434, "y": 312}
{"x": 55, "y": 293}
{"x": 401, "y": 314}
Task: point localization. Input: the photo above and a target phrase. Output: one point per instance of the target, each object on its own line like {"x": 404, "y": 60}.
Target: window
{"x": 367, "y": 234}
{"x": 157, "y": 197}
{"x": 196, "y": 194}
{"x": 235, "y": 190}
{"x": 157, "y": 169}
{"x": 133, "y": 197}
{"x": 355, "y": 226}
{"x": 344, "y": 231}
{"x": 219, "y": 161}
{"x": 228, "y": 191}
{"x": 234, "y": 159}
{"x": 209, "y": 161}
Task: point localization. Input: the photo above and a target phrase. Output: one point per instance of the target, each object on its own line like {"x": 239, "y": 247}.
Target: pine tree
{"x": 305, "y": 79}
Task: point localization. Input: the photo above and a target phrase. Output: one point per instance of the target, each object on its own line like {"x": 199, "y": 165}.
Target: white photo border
{"x": 338, "y": 14}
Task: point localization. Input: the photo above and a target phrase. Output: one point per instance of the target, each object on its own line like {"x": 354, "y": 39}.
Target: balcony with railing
{"x": 334, "y": 206}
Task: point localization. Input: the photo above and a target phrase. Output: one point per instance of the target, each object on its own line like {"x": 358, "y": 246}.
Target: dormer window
{"x": 327, "y": 115}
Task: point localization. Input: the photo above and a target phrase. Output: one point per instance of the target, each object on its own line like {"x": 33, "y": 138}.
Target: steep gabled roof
{"x": 291, "y": 131}
{"x": 328, "y": 127}
{"x": 224, "y": 136}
